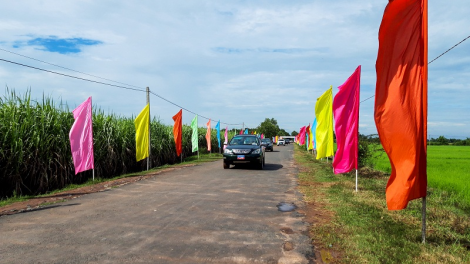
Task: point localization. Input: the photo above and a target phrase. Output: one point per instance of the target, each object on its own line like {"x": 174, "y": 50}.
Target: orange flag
{"x": 208, "y": 135}
{"x": 401, "y": 98}
{"x": 178, "y": 131}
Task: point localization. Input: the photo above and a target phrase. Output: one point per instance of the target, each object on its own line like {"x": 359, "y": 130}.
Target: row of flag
{"x": 345, "y": 109}
{"x": 400, "y": 106}
{"x": 81, "y": 135}
{"x": 142, "y": 133}
{"x": 400, "y": 111}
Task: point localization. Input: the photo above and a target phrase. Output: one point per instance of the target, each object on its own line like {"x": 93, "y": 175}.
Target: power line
{"x": 71, "y": 76}
{"x": 435, "y": 58}
{"x": 367, "y": 98}
{"x": 108, "y": 84}
{"x": 190, "y": 110}
{"x": 65, "y": 68}
{"x": 449, "y": 49}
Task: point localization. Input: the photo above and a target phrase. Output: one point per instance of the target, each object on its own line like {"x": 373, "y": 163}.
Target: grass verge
{"x": 360, "y": 229}
{"x": 187, "y": 161}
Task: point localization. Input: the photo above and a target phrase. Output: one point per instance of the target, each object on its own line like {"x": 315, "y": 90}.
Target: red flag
{"x": 178, "y": 131}
{"x": 241, "y": 131}
{"x": 208, "y": 135}
{"x": 401, "y": 98}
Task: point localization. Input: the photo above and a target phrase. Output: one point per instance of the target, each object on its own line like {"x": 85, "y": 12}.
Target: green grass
{"x": 189, "y": 160}
{"x": 364, "y": 231}
{"x": 448, "y": 169}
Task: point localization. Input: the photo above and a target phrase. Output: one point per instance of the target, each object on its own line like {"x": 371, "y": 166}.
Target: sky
{"x": 234, "y": 61}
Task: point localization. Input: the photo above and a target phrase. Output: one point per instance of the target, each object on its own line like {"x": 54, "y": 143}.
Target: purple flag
{"x": 81, "y": 138}
{"x": 346, "y": 113}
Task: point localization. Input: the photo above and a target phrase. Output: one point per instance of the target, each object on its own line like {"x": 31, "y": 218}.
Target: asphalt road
{"x": 200, "y": 214}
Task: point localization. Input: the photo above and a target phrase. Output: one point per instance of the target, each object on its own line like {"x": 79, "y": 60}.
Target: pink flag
{"x": 208, "y": 135}
{"x": 81, "y": 138}
{"x": 302, "y": 136}
{"x": 226, "y": 137}
{"x": 346, "y": 113}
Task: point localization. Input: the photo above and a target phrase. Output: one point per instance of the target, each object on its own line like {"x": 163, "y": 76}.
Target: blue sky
{"x": 237, "y": 61}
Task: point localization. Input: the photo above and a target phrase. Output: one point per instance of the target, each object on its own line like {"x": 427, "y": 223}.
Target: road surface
{"x": 200, "y": 214}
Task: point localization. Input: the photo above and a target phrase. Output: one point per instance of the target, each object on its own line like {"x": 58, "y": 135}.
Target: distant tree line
{"x": 441, "y": 140}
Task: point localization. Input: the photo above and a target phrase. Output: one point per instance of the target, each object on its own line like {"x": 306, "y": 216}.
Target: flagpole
{"x": 148, "y": 102}
{"x": 356, "y": 180}
{"x": 93, "y": 174}
{"x": 423, "y": 222}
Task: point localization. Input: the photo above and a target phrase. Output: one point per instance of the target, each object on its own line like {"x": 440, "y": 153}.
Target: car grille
{"x": 241, "y": 151}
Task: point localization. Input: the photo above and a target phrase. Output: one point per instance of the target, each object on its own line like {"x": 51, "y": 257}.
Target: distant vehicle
{"x": 287, "y": 141}
{"x": 281, "y": 142}
{"x": 267, "y": 143}
{"x": 244, "y": 149}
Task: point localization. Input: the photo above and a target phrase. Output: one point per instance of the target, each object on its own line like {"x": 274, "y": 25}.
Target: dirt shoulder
{"x": 35, "y": 203}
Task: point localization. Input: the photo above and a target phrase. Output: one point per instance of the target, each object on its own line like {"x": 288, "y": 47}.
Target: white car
{"x": 281, "y": 142}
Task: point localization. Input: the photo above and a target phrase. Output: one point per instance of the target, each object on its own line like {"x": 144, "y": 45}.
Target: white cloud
{"x": 171, "y": 46}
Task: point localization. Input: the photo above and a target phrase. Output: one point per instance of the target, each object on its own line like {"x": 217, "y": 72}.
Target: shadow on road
{"x": 47, "y": 207}
{"x": 267, "y": 166}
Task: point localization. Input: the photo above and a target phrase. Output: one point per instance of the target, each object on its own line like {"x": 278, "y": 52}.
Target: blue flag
{"x": 246, "y": 131}
{"x": 218, "y": 132}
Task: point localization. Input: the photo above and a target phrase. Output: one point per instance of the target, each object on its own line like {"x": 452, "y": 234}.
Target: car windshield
{"x": 244, "y": 140}
{"x": 266, "y": 140}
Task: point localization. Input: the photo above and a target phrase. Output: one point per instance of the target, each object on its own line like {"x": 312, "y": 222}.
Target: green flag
{"x": 194, "y": 137}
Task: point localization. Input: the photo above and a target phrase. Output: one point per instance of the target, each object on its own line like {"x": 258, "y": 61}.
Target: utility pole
{"x": 150, "y": 148}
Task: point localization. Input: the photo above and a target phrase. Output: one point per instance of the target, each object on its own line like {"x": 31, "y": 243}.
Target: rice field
{"x": 448, "y": 169}
{"x": 35, "y": 155}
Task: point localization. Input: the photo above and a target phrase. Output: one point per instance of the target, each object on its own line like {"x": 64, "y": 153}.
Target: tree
{"x": 282, "y": 132}
{"x": 442, "y": 141}
{"x": 269, "y": 128}
{"x": 294, "y": 133}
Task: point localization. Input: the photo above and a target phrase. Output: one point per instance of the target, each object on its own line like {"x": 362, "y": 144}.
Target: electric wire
{"x": 65, "y": 68}
{"x": 187, "y": 110}
{"x": 434, "y": 58}
{"x": 108, "y": 84}
{"x": 449, "y": 49}
{"x": 71, "y": 76}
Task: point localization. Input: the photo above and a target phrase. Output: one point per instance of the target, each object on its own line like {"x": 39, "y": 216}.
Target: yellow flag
{"x": 310, "y": 139}
{"x": 142, "y": 133}
{"x": 324, "y": 131}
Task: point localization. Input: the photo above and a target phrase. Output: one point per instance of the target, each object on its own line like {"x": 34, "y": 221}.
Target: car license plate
{"x": 240, "y": 157}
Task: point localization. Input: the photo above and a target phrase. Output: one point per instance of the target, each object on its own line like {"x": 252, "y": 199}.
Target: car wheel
{"x": 226, "y": 165}
{"x": 261, "y": 165}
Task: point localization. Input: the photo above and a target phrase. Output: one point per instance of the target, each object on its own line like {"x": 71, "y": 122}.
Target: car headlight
{"x": 228, "y": 151}
{"x": 256, "y": 151}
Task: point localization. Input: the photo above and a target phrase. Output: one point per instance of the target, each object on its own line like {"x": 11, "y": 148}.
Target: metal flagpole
{"x": 93, "y": 174}
{"x": 197, "y": 125}
{"x": 148, "y": 102}
{"x": 356, "y": 180}
{"x": 423, "y": 223}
